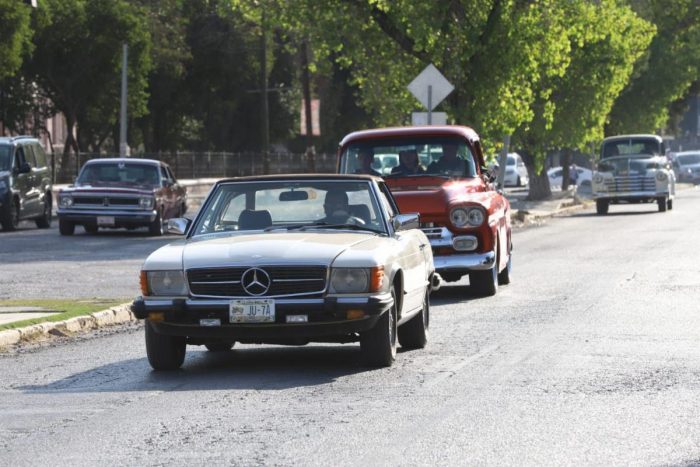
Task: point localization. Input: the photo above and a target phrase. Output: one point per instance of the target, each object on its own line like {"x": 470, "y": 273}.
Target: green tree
{"x": 77, "y": 62}
{"x": 15, "y": 35}
{"x": 604, "y": 41}
{"x": 666, "y": 73}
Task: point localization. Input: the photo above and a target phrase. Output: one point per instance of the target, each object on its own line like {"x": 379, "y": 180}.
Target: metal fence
{"x": 211, "y": 164}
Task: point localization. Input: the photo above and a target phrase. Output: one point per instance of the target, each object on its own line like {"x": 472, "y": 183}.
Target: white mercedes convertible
{"x": 290, "y": 259}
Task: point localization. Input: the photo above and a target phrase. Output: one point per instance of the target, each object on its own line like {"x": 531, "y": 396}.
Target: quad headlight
{"x": 170, "y": 283}
{"x": 467, "y": 217}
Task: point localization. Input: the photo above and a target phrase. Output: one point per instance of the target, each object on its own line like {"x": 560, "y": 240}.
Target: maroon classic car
{"x": 114, "y": 193}
{"x": 439, "y": 172}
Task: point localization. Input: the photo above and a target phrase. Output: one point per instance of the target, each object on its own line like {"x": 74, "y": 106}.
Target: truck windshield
{"x": 119, "y": 173}
{"x": 428, "y": 156}
{"x": 630, "y": 146}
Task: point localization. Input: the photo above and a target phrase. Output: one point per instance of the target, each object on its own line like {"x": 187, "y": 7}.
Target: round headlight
{"x": 66, "y": 201}
{"x": 598, "y": 178}
{"x": 475, "y": 217}
{"x": 3, "y": 185}
{"x": 349, "y": 280}
{"x": 661, "y": 176}
{"x": 459, "y": 217}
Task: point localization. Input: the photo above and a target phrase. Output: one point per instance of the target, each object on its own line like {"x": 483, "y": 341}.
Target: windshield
{"x": 428, "y": 156}
{"x": 5, "y": 160}
{"x": 119, "y": 173}
{"x": 510, "y": 160}
{"x": 623, "y": 147}
{"x": 689, "y": 159}
{"x": 291, "y": 205}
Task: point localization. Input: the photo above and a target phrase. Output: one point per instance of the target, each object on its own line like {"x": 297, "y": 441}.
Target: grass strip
{"x": 64, "y": 308}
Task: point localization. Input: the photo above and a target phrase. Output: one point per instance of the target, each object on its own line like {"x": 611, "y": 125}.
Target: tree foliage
{"x": 15, "y": 35}
{"x": 666, "y": 72}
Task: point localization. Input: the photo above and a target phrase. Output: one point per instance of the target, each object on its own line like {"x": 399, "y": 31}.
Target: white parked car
{"x": 290, "y": 259}
{"x": 584, "y": 176}
{"x": 516, "y": 172}
{"x": 686, "y": 166}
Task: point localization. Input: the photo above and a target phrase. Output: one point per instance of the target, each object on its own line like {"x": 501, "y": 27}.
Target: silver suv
{"x": 25, "y": 183}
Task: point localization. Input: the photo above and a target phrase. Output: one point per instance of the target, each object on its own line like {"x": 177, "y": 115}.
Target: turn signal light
{"x": 355, "y": 314}
{"x": 156, "y": 316}
{"x": 143, "y": 280}
{"x": 376, "y": 280}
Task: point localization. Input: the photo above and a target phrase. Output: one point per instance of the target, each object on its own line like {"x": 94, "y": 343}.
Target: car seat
{"x": 254, "y": 220}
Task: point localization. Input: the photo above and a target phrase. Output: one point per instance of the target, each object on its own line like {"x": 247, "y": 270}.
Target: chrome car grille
{"x": 284, "y": 281}
{"x": 630, "y": 183}
{"x": 432, "y": 232}
{"x": 91, "y": 201}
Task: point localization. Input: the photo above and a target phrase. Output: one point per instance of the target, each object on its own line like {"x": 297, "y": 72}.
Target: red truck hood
{"x": 434, "y": 196}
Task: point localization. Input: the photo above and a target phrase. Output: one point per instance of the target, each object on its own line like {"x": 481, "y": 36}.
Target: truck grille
{"x": 284, "y": 281}
{"x": 432, "y": 232}
{"x": 622, "y": 184}
{"x": 104, "y": 201}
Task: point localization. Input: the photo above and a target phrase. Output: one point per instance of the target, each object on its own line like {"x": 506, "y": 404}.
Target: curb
{"x": 116, "y": 315}
{"x": 523, "y": 215}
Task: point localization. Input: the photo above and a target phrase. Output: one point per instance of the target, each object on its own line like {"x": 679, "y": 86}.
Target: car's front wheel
{"x": 661, "y": 202}
{"x": 601, "y": 207}
{"x": 10, "y": 217}
{"x": 155, "y": 228}
{"x": 669, "y": 204}
{"x": 485, "y": 282}
{"x": 378, "y": 345}
{"x": 164, "y": 352}
{"x": 414, "y": 334}
{"x": 66, "y": 227}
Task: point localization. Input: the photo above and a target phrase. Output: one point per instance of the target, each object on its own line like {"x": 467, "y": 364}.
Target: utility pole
{"x": 123, "y": 146}
{"x": 264, "y": 98}
{"x": 306, "y": 85}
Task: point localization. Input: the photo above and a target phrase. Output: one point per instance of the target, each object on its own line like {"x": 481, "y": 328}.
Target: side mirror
{"x": 178, "y": 226}
{"x": 402, "y": 222}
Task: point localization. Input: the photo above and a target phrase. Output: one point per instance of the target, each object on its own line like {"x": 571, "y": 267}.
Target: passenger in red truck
{"x": 408, "y": 164}
{"x": 449, "y": 163}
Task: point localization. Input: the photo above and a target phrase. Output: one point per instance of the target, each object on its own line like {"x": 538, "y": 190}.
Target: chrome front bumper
{"x": 146, "y": 215}
{"x": 628, "y": 194}
{"x": 464, "y": 262}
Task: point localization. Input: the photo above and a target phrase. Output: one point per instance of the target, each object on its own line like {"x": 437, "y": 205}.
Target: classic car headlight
{"x": 349, "y": 280}
{"x": 357, "y": 280}
{"x": 598, "y": 178}
{"x": 163, "y": 283}
{"x": 3, "y": 185}
{"x": 461, "y": 217}
{"x": 146, "y": 203}
{"x": 661, "y": 176}
{"x": 65, "y": 201}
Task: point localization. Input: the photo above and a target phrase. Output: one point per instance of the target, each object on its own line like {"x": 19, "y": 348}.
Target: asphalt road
{"x": 591, "y": 356}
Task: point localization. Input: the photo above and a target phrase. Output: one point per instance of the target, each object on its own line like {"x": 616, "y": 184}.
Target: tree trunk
{"x": 538, "y": 187}
{"x": 69, "y": 144}
{"x": 565, "y": 165}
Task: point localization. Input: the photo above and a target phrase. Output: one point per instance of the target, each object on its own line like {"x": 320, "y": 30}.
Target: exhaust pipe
{"x": 435, "y": 282}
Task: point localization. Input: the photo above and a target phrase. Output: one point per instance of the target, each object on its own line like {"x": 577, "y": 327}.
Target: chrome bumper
{"x": 468, "y": 262}
{"x": 141, "y": 215}
{"x": 628, "y": 194}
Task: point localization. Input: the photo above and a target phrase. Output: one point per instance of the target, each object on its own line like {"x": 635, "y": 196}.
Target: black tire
{"x": 164, "y": 352}
{"x": 44, "y": 222}
{"x": 601, "y": 207}
{"x": 485, "y": 283}
{"x": 91, "y": 228}
{"x": 414, "y": 334}
{"x": 519, "y": 182}
{"x": 66, "y": 227}
{"x": 504, "y": 276}
{"x": 155, "y": 228}
{"x": 219, "y": 346}
{"x": 661, "y": 202}
{"x": 10, "y": 217}
{"x": 378, "y": 345}
{"x": 669, "y": 204}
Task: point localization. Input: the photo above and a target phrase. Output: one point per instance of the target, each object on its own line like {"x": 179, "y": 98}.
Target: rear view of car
{"x": 516, "y": 172}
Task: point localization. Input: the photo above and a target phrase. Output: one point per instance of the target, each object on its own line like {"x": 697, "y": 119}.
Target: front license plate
{"x": 252, "y": 311}
{"x": 105, "y": 220}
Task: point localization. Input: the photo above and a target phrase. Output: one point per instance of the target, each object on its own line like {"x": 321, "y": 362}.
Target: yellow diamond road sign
{"x": 430, "y": 87}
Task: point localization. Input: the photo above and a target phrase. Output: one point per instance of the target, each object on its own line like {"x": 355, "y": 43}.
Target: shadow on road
{"x": 613, "y": 214}
{"x": 262, "y": 369}
{"x": 453, "y": 293}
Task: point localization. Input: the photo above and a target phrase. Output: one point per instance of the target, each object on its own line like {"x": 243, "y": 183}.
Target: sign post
{"x": 430, "y": 87}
